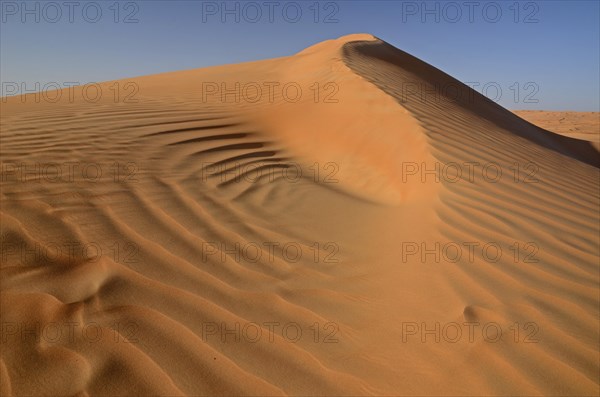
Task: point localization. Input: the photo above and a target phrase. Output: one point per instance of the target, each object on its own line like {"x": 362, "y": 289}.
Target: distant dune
{"x": 345, "y": 221}
{"x": 580, "y": 125}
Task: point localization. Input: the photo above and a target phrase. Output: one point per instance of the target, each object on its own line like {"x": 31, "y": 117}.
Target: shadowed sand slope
{"x": 344, "y": 235}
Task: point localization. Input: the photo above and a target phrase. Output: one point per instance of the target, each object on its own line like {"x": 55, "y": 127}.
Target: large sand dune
{"x": 368, "y": 214}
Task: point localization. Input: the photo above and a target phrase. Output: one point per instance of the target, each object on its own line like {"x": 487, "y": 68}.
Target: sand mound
{"x": 581, "y": 125}
{"x": 293, "y": 226}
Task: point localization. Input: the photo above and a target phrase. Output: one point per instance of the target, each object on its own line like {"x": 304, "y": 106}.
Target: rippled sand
{"x": 363, "y": 237}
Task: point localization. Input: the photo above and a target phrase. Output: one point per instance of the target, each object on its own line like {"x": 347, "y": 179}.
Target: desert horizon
{"x": 347, "y": 220}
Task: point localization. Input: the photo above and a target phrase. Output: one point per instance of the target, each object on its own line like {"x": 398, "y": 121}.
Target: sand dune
{"x": 580, "y": 125}
{"x": 340, "y": 224}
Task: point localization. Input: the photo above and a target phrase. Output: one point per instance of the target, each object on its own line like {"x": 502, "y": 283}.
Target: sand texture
{"x": 366, "y": 237}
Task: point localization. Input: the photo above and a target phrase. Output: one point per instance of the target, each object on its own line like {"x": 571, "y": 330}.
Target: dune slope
{"x": 310, "y": 225}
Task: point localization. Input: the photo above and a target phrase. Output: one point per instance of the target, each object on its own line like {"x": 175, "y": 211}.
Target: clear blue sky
{"x": 553, "y": 45}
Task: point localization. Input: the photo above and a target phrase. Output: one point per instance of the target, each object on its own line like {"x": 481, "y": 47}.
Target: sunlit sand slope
{"x": 317, "y": 231}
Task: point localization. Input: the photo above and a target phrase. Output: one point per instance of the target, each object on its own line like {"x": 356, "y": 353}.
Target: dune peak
{"x": 336, "y": 44}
